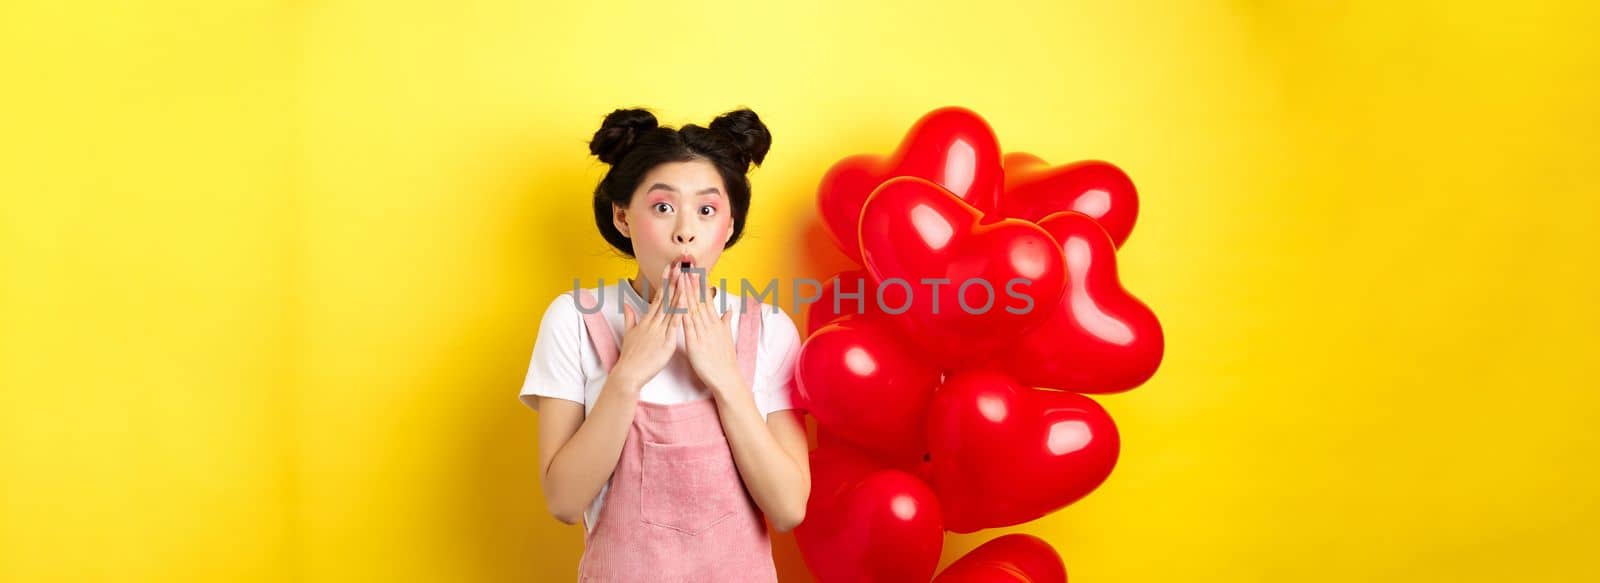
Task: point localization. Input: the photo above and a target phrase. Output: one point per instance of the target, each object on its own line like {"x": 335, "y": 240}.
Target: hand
{"x": 648, "y": 341}
{"x": 709, "y": 338}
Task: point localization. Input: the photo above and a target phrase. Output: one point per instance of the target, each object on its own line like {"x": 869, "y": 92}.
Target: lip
{"x": 684, "y": 259}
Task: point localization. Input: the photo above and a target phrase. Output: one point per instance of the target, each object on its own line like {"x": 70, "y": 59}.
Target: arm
{"x": 578, "y": 455}
{"x": 771, "y": 456}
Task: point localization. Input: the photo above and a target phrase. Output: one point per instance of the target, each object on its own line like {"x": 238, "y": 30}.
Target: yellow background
{"x": 272, "y": 270}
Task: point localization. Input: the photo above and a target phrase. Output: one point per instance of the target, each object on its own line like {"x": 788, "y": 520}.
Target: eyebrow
{"x": 669, "y": 188}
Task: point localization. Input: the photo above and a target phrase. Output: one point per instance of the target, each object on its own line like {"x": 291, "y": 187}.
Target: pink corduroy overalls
{"x": 676, "y": 509}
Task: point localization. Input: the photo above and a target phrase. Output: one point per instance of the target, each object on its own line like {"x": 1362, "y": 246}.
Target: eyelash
{"x": 702, "y": 208}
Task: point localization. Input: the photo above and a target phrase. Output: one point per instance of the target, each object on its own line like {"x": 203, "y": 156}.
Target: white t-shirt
{"x": 566, "y": 366}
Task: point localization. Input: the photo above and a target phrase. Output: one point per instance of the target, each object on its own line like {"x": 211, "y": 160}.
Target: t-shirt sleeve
{"x": 556, "y": 369}
{"x": 780, "y": 349}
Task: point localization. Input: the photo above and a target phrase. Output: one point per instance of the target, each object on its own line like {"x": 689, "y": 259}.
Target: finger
{"x": 727, "y": 318}
{"x": 707, "y": 310}
{"x": 707, "y": 306}
{"x": 628, "y": 317}
{"x": 668, "y": 289}
{"x": 697, "y": 301}
{"x": 659, "y": 293}
{"x": 658, "y": 314}
{"x": 659, "y": 301}
{"x": 678, "y": 297}
{"x": 711, "y": 319}
{"x": 700, "y": 288}
{"x": 688, "y": 292}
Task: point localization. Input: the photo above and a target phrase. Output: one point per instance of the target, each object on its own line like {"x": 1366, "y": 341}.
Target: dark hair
{"x": 631, "y": 142}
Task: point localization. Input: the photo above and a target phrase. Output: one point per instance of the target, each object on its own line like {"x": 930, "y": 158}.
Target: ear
{"x": 730, "y": 233}
{"x": 619, "y": 218}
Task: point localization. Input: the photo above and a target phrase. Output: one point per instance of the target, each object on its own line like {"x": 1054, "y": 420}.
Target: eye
{"x": 662, "y": 207}
{"x": 708, "y": 210}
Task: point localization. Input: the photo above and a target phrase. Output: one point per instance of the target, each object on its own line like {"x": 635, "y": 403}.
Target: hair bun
{"x": 618, "y": 133}
{"x": 744, "y": 128}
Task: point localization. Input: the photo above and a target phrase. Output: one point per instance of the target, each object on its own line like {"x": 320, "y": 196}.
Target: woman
{"x": 668, "y": 428}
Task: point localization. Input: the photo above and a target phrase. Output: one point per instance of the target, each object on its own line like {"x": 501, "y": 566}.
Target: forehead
{"x": 688, "y": 177}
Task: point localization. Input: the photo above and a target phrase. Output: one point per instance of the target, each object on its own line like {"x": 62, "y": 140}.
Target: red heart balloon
{"x": 831, "y": 306}
{"x": 1000, "y": 276}
{"x": 865, "y": 524}
{"x": 1098, "y": 338}
{"x": 862, "y": 384}
{"x": 1004, "y": 454}
{"x": 951, "y": 146}
{"x": 1034, "y": 190}
{"x": 1018, "y": 164}
{"x": 850, "y": 293}
{"x": 1013, "y": 558}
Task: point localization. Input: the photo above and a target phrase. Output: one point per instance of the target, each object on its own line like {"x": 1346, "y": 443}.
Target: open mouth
{"x": 685, "y": 263}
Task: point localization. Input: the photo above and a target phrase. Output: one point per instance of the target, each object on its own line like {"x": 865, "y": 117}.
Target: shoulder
{"x": 562, "y": 304}
{"x": 563, "y": 311}
{"x": 779, "y": 352}
{"x": 778, "y": 331}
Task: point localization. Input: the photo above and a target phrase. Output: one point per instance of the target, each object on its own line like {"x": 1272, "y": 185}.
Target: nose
{"x": 684, "y": 233}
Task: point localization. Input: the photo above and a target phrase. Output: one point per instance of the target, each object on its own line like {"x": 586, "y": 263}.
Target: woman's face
{"x": 679, "y": 214}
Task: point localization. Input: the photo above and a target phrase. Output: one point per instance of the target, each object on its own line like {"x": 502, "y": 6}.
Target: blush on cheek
{"x": 649, "y": 235}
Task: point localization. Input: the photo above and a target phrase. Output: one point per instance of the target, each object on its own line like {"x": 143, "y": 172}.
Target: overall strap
{"x": 748, "y": 339}
{"x": 605, "y": 343}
